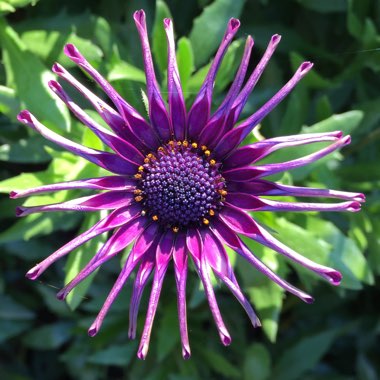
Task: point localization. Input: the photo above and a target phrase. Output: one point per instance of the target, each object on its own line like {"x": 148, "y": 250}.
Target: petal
{"x": 200, "y": 110}
{"x": 108, "y": 161}
{"x": 242, "y": 223}
{"x": 234, "y": 137}
{"x": 176, "y": 100}
{"x": 101, "y": 183}
{"x": 140, "y": 127}
{"x": 228, "y": 237}
{"x": 157, "y": 109}
{"x": 124, "y": 236}
{"x": 262, "y": 187}
{"x": 118, "y": 145}
{"x": 141, "y": 280}
{"x": 180, "y": 271}
{"x": 215, "y": 126}
{"x": 104, "y": 201}
{"x": 163, "y": 256}
{"x": 217, "y": 258}
{"x": 249, "y": 154}
{"x": 248, "y": 173}
{"x": 241, "y": 100}
{"x": 250, "y": 202}
{"x": 108, "y": 114}
{"x": 116, "y": 219}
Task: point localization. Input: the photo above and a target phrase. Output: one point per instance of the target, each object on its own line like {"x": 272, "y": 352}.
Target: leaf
{"x": 125, "y": 71}
{"x": 118, "y": 355}
{"x": 209, "y": 27}
{"x": 9, "y": 104}
{"x": 325, "y": 6}
{"x": 11, "y": 5}
{"x": 346, "y": 122}
{"x": 48, "y": 337}
{"x": 220, "y": 364}
{"x": 303, "y": 355}
{"x": 167, "y": 338}
{"x": 257, "y": 363}
{"x": 185, "y": 61}
{"x": 12, "y": 310}
{"x": 78, "y": 259}
{"x": 29, "y": 77}
{"x": 159, "y": 43}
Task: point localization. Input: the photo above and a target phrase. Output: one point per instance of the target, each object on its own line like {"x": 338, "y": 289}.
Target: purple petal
{"x": 217, "y": 258}
{"x": 248, "y": 173}
{"x": 262, "y": 187}
{"x": 101, "y": 183}
{"x": 116, "y": 219}
{"x": 141, "y": 280}
{"x": 163, "y": 256}
{"x": 104, "y": 201}
{"x": 250, "y": 202}
{"x": 180, "y": 271}
{"x": 242, "y": 223}
{"x": 194, "y": 244}
{"x": 228, "y": 237}
{"x": 157, "y": 109}
{"x": 234, "y": 137}
{"x": 200, "y": 110}
{"x": 121, "y": 147}
{"x": 117, "y": 242}
{"x": 108, "y": 161}
{"x": 176, "y": 100}
{"x": 249, "y": 154}
{"x": 108, "y": 114}
{"x": 140, "y": 127}
{"x": 215, "y": 126}
{"x": 128, "y": 267}
{"x": 241, "y": 100}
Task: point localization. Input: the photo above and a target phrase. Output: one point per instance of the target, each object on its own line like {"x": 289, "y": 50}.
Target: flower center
{"x": 180, "y": 185}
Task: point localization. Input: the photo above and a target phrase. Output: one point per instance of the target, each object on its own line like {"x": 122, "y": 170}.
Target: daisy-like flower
{"x": 182, "y": 186}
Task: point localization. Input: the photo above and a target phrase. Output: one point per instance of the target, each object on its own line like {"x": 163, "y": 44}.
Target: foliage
{"x": 335, "y": 338}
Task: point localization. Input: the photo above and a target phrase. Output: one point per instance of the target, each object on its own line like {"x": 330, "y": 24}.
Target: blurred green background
{"x": 335, "y": 338}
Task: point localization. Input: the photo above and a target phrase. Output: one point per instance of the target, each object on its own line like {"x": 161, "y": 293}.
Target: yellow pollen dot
{"x": 160, "y": 149}
{"x": 146, "y": 160}
{"x": 205, "y": 221}
{"x": 138, "y": 175}
{"x": 175, "y": 229}
{"x": 139, "y": 198}
{"x": 185, "y": 143}
{"x": 223, "y": 193}
{"x": 194, "y": 145}
{"x": 179, "y": 143}
{"x": 141, "y": 168}
{"x": 207, "y": 153}
{"x": 137, "y": 191}
{"x": 212, "y": 162}
{"x": 211, "y": 212}
{"x": 171, "y": 143}
{"x": 204, "y": 147}
{"x": 150, "y": 155}
{"x": 155, "y": 218}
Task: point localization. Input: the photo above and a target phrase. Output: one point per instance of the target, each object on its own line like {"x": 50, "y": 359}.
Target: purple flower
{"x": 182, "y": 185}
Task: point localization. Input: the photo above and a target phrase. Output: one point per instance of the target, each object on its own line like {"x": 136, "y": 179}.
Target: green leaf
{"x": 12, "y": 310}
{"x": 118, "y": 355}
{"x": 159, "y": 43}
{"x": 78, "y": 259}
{"x": 12, "y": 5}
{"x": 9, "y": 104}
{"x": 48, "y": 337}
{"x": 303, "y": 355}
{"x": 125, "y": 71}
{"x": 325, "y": 6}
{"x": 29, "y": 77}
{"x": 257, "y": 363}
{"x": 167, "y": 338}
{"x": 185, "y": 61}
{"x": 220, "y": 364}
{"x": 209, "y": 27}
{"x": 346, "y": 122}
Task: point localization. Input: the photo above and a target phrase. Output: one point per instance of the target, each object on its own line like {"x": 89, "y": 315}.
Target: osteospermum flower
{"x": 182, "y": 185}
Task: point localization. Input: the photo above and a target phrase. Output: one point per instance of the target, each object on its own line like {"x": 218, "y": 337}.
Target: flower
{"x": 182, "y": 186}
